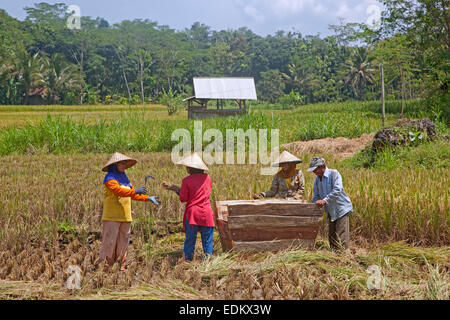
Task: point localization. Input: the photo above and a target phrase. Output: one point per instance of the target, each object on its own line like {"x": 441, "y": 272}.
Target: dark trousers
{"x": 339, "y": 233}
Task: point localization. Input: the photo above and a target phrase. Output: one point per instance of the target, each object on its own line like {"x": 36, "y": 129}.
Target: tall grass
{"x": 332, "y": 124}
{"x": 412, "y": 106}
{"x": 347, "y": 119}
{"x": 131, "y": 132}
{"x": 134, "y": 132}
{"x": 146, "y": 130}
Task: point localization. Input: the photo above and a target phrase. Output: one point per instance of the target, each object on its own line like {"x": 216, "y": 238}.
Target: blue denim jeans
{"x": 191, "y": 237}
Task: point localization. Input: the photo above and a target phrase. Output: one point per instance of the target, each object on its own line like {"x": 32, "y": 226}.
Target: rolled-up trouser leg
{"x": 339, "y": 233}
{"x": 123, "y": 239}
{"x": 110, "y": 231}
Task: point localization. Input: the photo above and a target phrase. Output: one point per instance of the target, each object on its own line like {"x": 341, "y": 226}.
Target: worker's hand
{"x": 320, "y": 203}
{"x": 154, "y": 200}
{"x": 141, "y": 190}
{"x": 167, "y": 185}
{"x": 258, "y": 196}
{"x": 171, "y": 187}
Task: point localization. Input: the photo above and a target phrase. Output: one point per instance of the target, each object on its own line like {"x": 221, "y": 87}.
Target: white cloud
{"x": 358, "y": 13}
{"x": 254, "y": 13}
{"x": 288, "y": 7}
{"x": 319, "y": 8}
{"x": 343, "y": 11}
{"x": 307, "y": 16}
{"x": 257, "y": 9}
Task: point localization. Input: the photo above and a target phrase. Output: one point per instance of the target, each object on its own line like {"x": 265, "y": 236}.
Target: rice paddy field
{"x": 51, "y": 204}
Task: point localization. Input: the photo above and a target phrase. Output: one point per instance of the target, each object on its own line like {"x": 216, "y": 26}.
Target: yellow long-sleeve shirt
{"x": 117, "y": 201}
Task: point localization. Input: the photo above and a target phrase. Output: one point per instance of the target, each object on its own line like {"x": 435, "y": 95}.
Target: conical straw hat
{"x": 285, "y": 157}
{"x": 117, "y": 157}
{"x": 193, "y": 161}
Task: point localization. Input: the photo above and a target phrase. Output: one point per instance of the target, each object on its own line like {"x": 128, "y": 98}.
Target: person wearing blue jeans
{"x": 198, "y": 216}
{"x": 206, "y": 234}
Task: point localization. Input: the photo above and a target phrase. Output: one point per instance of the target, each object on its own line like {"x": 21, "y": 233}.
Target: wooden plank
{"x": 222, "y": 210}
{"x": 273, "y": 233}
{"x": 272, "y": 206}
{"x": 279, "y": 209}
{"x": 224, "y": 232}
{"x": 261, "y": 221}
{"x": 220, "y": 215}
{"x": 225, "y": 236}
{"x": 263, "y": 201}
{"x": 275, "y": 245}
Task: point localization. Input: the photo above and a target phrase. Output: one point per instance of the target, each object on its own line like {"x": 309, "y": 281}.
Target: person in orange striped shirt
{"x": 118, "y": 193}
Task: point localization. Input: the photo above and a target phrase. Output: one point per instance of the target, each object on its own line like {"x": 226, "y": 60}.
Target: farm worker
{"x": 118, "y": 193}
{"x": 198, "y": 215}
{"x": 329, "y": 193}
{"x": 288, "y": 182}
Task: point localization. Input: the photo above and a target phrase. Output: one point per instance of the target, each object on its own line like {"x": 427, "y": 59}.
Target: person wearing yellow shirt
{"x": 118, "y": 193}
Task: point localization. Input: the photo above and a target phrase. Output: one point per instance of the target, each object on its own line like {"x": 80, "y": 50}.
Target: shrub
{"x": 172, "y": 101}
{"x": 291, "y": 100}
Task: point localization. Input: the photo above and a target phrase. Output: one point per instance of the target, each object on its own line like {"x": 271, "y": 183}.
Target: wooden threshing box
{"x": 270, "y": 225}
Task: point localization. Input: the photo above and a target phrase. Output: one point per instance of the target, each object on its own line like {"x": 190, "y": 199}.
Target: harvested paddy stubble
{"x": 407, "y": 273}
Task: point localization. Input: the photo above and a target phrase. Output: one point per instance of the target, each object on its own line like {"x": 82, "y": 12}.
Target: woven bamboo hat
{"x": 117, "y": 157}
{"x": 193, "y": 161}
{"x": 285, "y": 157}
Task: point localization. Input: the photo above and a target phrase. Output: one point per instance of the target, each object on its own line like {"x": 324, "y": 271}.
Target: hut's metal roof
{"x": 225, "y": 88}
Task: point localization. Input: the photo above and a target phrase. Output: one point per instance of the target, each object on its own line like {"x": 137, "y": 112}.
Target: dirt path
{"x": 340, "y": 147}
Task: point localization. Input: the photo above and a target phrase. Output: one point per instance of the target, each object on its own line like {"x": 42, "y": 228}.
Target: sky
{"x": 263, "y": 17}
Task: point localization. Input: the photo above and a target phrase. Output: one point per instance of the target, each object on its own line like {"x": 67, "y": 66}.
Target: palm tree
{"x": 60, "y": 77}
{"x": 37, "y": 71}
{"x": 302, "y": 78}
{"x": 7, "y": 80}
{"x": 29, "y": 71}
{"x": 359, "y": 70}
{"x": 6, "y": 70}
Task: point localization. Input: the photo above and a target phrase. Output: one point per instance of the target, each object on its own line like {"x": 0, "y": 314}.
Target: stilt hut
{"x": 206, "y": 90}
